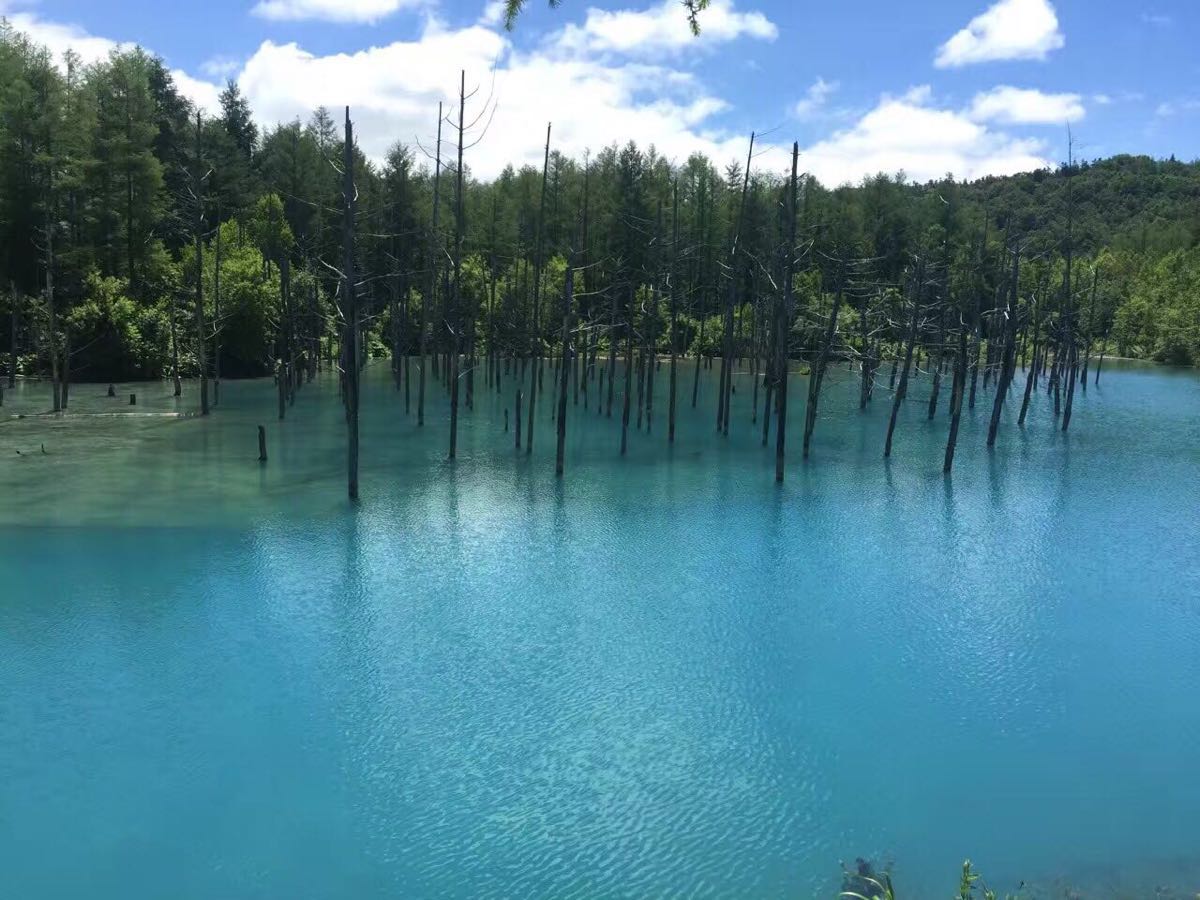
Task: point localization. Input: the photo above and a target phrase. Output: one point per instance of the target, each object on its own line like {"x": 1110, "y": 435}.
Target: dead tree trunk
{"x": 937, "y": 368}
{"x": 1087, "y": 338}
{"x": 431, "y": 275}
{"x": 536, "y": 368}
{"x": 51, "y": 311}
{"x": 628, "y": 374}
{"x": 867, "y": 372}
{"x": 783, "y": 324}
{"x": 350, "y": 298}
{"x": 730, "y": 300}
{"x": 817, "y": 370}
{"x": 699, "y": 286}
{"x": 651, "y": 332}
{"x": 217, "y": 311}
{"x": 1071, "y": 336}
{"x": 198, "y": 229}
{"x": 455, "y": 316}
{"x": 14, "y": 323}
{"x": 612, "y": 350}
{"x": 1100, "y": 362}
{"x": 1008, "y": 353}
{"x": 1032, "y": 376}
{"x": 671, "y": 277}
{"x": 517, "y": 418}
{"x": 284, "y": 340}
{"x": 175, "y": 346}
{"x": 956, "y": 398}
{"x": 564, "y": 373}
{"x": 910, "y": 342}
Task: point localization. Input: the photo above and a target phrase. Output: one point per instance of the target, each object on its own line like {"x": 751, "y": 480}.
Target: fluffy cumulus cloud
{"x": 1026, "y": 106}
{"x": 394, "y": 90}
{"x": 1009, "y": 29}
{"x": 330, "y": 10}
{"x": 592, "y": 80}
{"x": 204, "y": 94}
{"x": 660, "y": 29}
{"x": 59, "y": 37}
{"x": 910, "y": 134}
{"x": 600, "y": 85}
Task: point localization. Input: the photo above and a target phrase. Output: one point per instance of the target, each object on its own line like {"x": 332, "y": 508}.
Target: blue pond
{"x": 663, "y": 675}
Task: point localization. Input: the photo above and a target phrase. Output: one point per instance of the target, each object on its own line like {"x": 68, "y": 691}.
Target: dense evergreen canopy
{"x": 111, "y": 188}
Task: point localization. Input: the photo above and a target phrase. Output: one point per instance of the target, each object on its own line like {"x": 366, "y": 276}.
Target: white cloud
{"x": 1026, "y": 106}
{"x": 493, "y": 13}
{"x": 1009, "y": 29}
{"x": 59, "y": 37}
{"x": 330, "y": 10}
{"x": 1156, "y": 19}
{"x": 220, "y": 67}
{"x": 204, "y": 94}
{"x": 595, "y": 95}
{"x": 394, "y": 90}
{"x": 814, "y": 98}
{"x": 910, "y": 134}
{"x": 662, "y": 28}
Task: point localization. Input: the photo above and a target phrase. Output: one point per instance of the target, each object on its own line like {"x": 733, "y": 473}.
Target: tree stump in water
{"x": 262, "y": 444}
{"x": 518, "y": 406}
{"x": 133, "y": 399}
{"x": 112, "y": 390}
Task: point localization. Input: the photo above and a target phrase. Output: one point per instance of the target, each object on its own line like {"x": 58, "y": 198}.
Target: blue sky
{"x": 969, "y": 86}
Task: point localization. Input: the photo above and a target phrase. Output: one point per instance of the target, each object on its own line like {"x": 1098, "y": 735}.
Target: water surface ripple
{"x": 662, "y": 676}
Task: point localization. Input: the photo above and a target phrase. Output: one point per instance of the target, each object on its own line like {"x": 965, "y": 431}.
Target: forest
{"x": 144, "y": 240}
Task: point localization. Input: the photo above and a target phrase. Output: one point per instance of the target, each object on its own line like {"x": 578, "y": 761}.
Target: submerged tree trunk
{"x": 1008, "y": 351}
{"x": 217, "y": 312}
{"x": 674, "y": 308}
{"x": 628, "y": 374}
{"x": 1071, "y": 336}
{"x": 1032, "y": 376}
{"x": 727, "y": 360}
{"x": 956, "y": 399}
{"x": 349, "y": 297}
{"x": 455, "y": 316}
{"x": 201, "y": 337}
{"x": 937, "y": 369}
{"x": 52, "y": 314}
{"x": 564, "y": 369}
{"x": 612, "y": 351}
{"x": 431, "y": 277}
{"x": 1087, "y": 338}
{"x": 652, "y": 336}
{"x": 283, "y": 376}
{"x": 175, "y": 346}
{"x": 867, "y": 372}
{"x": 783, "y": 325}
{"x": 14, "y": 323}
{"x": 817, "y": 370}
{"x": 902, "y": 389}
{"x": 535, "y": 370}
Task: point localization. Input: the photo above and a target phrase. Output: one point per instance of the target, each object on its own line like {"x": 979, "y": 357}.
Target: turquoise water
{"x": 663, "y": 675}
